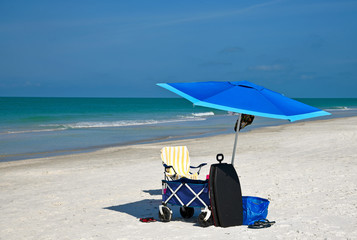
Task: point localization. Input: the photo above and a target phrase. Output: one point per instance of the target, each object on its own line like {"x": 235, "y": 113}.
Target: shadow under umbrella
{"x": 153, "y": 192}
{"x": 139, "y": 209}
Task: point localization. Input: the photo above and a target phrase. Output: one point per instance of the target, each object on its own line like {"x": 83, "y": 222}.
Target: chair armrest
{"x": 168, "y": 167}
{"x": 199, "y": 166}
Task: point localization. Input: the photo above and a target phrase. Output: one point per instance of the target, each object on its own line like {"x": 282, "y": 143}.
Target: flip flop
{"x": 148, "y": 219}
{"x": 263, "y": 223}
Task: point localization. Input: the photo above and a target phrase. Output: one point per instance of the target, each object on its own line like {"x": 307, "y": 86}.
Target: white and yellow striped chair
{"x": 176, "y": 161}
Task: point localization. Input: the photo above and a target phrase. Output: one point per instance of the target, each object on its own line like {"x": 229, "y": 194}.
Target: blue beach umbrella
{"x": 243, "y": 97}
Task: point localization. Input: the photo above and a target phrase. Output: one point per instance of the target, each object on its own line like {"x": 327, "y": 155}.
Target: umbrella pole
{"x": 236, "y": 137}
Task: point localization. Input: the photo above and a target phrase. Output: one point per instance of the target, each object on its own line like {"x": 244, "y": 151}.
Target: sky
{"x": 305, "y": 48}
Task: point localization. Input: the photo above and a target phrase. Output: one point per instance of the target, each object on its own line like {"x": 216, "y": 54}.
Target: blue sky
{"x": 123, "y": 48}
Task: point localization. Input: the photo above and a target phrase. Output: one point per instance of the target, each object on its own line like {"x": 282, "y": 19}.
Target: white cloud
{"x": 306, "y": 77}
{"x": 232, "y": 50}
{"x": 274, "y": 67}
{"x": 214, "y": 15}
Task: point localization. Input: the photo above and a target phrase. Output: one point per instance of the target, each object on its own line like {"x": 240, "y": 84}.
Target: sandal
{"x": 148, "y": 219}
{"x": 263, "y": 223}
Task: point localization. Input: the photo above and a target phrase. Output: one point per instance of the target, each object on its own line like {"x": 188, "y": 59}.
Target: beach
{"x": 306, "y": 169}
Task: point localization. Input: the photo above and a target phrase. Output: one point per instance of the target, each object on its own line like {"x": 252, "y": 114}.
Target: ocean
{"x": 40, "y": 127}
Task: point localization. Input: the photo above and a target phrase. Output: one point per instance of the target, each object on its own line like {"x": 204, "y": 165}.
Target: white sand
{"x": 307, "y": 170}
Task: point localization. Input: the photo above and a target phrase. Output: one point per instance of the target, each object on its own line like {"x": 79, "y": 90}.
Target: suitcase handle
{"x": 220, "y": 157}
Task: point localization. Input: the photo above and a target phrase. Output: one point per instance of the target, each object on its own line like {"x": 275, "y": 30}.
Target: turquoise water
{"x": 330, "y": 103}
{"x": 37, "y": 127}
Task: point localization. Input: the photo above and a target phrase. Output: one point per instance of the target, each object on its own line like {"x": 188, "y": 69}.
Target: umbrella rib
{"x": 231, "y": 109}
{"x": 205, "y": 103}
{"x": 296, "y": 117}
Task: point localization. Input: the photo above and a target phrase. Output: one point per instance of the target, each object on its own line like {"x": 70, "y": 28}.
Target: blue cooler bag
{"x": 254, "y": 209}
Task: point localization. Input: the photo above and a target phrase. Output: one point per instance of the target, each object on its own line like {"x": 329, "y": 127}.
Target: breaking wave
{"x": 123, "y": 123}
{"x": 203, "y": 114}
{"x": 33, "y": 131}
{"x": 102, "y": 124}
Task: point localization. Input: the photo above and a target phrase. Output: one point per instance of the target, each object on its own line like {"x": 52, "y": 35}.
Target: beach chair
{"x": 176, "y": 161}
{"x": 180, "y": 187}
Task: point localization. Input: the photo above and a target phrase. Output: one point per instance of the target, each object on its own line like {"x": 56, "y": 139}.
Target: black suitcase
{"x": 225, "y": 194}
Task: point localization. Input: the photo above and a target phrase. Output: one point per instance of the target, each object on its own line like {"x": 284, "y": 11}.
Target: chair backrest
{"x": 178, "y": 158}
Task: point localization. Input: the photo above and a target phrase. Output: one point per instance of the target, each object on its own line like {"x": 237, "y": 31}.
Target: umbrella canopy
{"x": 243, "y": 97}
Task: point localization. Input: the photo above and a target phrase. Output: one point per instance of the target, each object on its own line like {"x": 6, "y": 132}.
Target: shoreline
{"x": 63, "y": 152}
{"x": 54, "y": 153}
{"x": 306, "y": 170}
{"x": 113, "y": 149}
{"x": 163, "y": 140}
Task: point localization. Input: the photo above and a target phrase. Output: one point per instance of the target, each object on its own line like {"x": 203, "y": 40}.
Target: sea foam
{"x": 203, "y": 114}
{"x": 122, "y": 123}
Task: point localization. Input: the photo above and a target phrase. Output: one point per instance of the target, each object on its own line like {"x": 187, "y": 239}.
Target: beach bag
{"x": 254, "y": 209}
{"x": 246, "y": 120}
